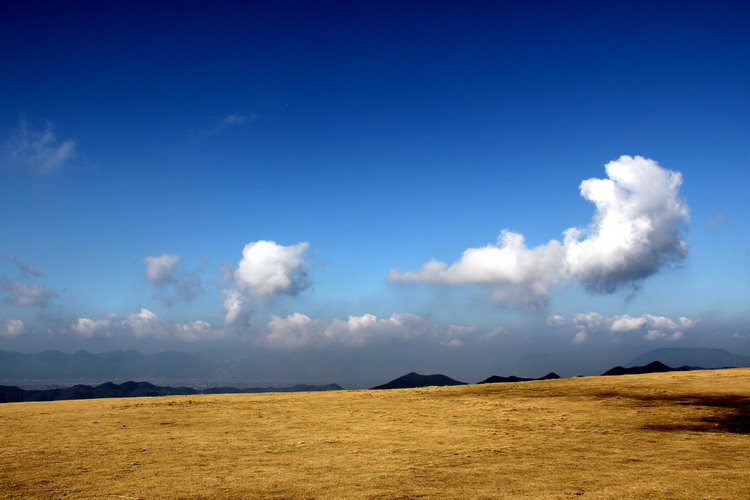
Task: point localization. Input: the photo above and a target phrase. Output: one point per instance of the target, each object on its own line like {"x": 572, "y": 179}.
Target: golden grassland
{"x": 669, "y": 435}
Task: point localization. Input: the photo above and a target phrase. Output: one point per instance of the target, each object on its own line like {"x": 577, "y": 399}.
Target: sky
{"x": 358, "y": 190}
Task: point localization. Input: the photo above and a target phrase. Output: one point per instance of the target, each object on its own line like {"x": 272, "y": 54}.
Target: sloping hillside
{"x": 661, "y": 435}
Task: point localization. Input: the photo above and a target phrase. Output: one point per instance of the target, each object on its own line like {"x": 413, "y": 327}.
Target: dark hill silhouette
{"x": 692, "y": 356}
{"x": 12, "y": 394}
{"x": 655, "y": 367}
{"x": 413, "y": 379}
{"x": 495, "y": 379}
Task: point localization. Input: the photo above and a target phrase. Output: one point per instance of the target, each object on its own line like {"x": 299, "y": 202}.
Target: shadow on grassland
{"x": 731, "y": 412}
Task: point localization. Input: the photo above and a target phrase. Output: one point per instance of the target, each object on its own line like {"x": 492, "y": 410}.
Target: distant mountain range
{"x": 11, "y": 394}
{"x": 496, "y": 379}
{"x": 692, "y": 356}
{"x": 55, "y": 368}
{"x": 413, "y": 380}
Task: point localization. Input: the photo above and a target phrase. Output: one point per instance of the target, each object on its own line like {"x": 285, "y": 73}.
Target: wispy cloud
{"x": 635, "y": 231}
{"x": 23, "y": 266}
{"x": 717, "y": 221}
{"x": 21, "y": 294}
{"x": 38, "y": 150}
{"x": 173, "y": 283}
{"x": 230, "y": 120}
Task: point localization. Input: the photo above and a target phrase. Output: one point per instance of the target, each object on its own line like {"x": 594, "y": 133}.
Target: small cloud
{"x": 23, "y": 266}
{"x": 12, "y": 328}
{"x": 173, "y": 283}
{"x": 453, "y": 343}
{"x": 229, "y": 120}
{"x": 38, "y": 150}
{"x": 556, "y": 320}
{"x": 161, "y": 270}
{"x": 89, "y": 328}
{"x": 21, "y": 294}
{"x": 494, "y": 335}
{"x": 586, "y": 323}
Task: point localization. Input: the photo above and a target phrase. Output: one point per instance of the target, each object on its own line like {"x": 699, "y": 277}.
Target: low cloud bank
{"x": 635, "y": 231}
{"x": 651, "y": 327}
{"x": 298, "y": 330}
{"x": 145, "y": 324}
{"x": 294, "y": 331}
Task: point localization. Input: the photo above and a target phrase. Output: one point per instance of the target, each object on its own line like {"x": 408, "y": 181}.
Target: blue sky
{"x": 376, "y": 135}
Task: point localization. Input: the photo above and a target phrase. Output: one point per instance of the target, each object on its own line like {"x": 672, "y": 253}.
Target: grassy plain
{"x": 669, "y": 435}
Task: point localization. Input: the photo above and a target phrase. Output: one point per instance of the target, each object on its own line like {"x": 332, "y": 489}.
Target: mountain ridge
{"x": 131, "y": 389}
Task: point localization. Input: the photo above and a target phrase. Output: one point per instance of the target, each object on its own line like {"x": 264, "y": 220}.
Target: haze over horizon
{"x": 347, "y": 193}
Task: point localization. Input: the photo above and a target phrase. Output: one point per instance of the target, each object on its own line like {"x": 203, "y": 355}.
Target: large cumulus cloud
{"x": 266, "y": 270}
{"x": 635, "y": 231}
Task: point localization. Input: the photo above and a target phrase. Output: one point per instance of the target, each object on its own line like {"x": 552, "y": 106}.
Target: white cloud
{"x": 266, "y": 270}
{"x": 173, "y": 283}
{"x": 160, "y": 270}
{"x": 556, "y": 320}
{"x": 652, "y": 327}
{"x": 636, "y": 228}
{"x": 21, "y": 294}
{"x": 89, "y": 328}
{"x": 235, "y": 304}
{"x": 142, "y": 325}
{"x": 635, "y": 231}
{"x": 586, "y": 323}
{"x": 195, "y": 331}
{"x": 626, "y": 323}
{"x": 13, "y": 328}
{"x": 299, "y": 330}
{"x": 39, "y": 151}
{"x": 23, "y": 266}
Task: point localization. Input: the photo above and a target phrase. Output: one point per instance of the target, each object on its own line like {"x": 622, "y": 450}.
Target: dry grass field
{"x": 670, "y": 435}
